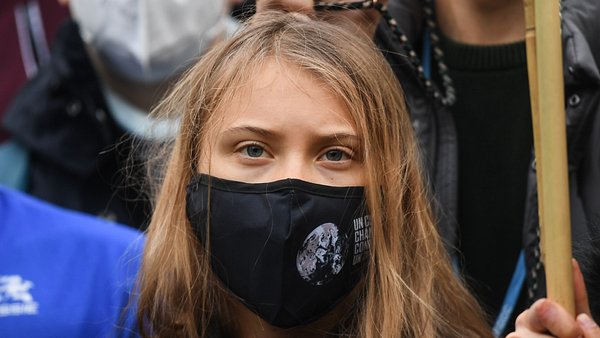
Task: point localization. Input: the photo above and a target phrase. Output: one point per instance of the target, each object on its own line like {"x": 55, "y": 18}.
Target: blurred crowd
{"x": 80, "y": 81}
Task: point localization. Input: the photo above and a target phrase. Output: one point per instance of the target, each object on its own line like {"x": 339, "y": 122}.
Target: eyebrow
{"x": 250, "y": 129}
{"x": 271, "y": 134}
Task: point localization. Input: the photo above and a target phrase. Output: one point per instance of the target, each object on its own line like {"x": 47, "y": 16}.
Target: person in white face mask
{"x": 75, "y": 123}
{"x": 135, "y": 46}
{"x": 148, "y": 41}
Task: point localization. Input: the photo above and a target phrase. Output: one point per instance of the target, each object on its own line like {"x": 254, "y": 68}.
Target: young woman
{"x": 292, "y": 202}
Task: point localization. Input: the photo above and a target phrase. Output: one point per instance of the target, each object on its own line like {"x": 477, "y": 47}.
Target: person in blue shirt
{"x": 64, "y": 273}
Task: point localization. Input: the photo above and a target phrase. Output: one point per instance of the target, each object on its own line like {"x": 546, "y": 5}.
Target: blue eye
{"x": 254, "y": 151}
{"x": 334, "y": 155}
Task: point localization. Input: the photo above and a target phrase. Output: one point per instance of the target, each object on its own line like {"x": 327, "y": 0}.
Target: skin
{"x": 478, "y": 22}
{"x": 283, "y": 124}
{"x": 493, "y": 22}
{"x": 487, "y": 22}
{"x": 546, "y": 318}
{"x": 365, "y": 20}
{"x": 482, "y": 22}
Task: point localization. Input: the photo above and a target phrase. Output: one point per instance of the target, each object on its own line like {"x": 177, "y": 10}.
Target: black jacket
{"x": 435, "y": 130}
{"x": 78, "y": 157}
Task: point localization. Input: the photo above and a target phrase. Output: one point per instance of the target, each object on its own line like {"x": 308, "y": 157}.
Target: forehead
{"x": 280, "y": 95}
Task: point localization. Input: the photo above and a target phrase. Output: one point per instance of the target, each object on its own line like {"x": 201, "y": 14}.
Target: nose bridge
{"x": 295, "y": 165}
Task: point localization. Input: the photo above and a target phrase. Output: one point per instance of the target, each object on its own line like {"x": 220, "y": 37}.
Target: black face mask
{"x": 289, "y": 250}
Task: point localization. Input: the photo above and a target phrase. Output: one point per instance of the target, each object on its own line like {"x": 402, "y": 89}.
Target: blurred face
{"x": 285, "y": 124}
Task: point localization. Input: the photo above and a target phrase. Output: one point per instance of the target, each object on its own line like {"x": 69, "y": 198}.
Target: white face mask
{"x": 149, "y": 40}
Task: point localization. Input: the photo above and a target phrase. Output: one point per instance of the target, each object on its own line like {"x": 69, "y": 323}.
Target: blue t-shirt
{"x": 63, "y": 273}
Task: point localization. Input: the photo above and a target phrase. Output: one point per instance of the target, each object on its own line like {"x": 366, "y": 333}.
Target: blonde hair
{"x": 409, "y": 289}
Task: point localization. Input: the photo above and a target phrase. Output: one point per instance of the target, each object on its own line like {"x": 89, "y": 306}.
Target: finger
{"x": 304, "y": 6}
{"x": 529, "y": 320}
{"x": 546, "y": 316}
{"x": 589, "y": 327}
{"x": 556, "y": 320}
{"x": 524, "y": 333}
{"x": 582, "y": 304}
{"x": 365, "y": 20}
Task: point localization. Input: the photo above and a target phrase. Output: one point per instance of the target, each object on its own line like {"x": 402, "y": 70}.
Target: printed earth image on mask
{"x": 322, "y": 255}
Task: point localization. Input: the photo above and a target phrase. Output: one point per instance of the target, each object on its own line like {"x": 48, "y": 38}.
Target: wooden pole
{"x": 545, "y": 67}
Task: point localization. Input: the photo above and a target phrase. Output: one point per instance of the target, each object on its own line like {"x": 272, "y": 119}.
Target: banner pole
{"x": 545, "y": 68}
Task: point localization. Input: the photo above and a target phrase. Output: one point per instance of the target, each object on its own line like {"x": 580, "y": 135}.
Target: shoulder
{"x": 581, "y": 28}
{"x": 76, "y": 272}
{"x": 583, "y": 14}
{"x": 26, "y": 217}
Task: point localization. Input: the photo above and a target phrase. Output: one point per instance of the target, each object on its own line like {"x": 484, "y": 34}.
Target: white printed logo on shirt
{"x": 15, "y": 299}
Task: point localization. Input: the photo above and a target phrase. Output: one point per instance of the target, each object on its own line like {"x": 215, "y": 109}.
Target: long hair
{"x": 409, "y": 289}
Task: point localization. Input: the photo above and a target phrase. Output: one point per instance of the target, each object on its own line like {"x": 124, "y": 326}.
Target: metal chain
{"x": 448, "y": 96}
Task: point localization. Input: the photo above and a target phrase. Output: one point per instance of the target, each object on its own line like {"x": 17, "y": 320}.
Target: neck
{"x": 481, "y": 22}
